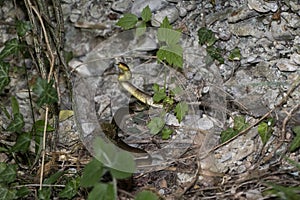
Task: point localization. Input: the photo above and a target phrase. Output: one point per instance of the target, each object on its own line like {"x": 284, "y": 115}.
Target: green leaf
{"x": 166, "y": 133}
{"x": 92, "y": 173}
{"x": 239, "y": 123}
{"x": 166, "y": 24}
{"x": 39, "y": 126}
{"x": 16, "y": 124}
{"x": 228, "y": 134}
{"x": 70, "y": 189}
{"x": 146, "y": 195}
{"x": 282, "y": 192}
{"x": 295, "y": 144}
{"x": 102, "y": 191}
{"x": 159, "y": 94}
{"x": 4, "y": 76}
{"x": 113, "y": 157}
{"x": 292, "y": 162}
{"x": 22, "y": 192}
{"x": 265, "y": 131}
{"x": 119, "y": 174}
{"x": 45, "y": 92}
{"x": 235, "y": 54}
{"x": 140, "y": 29}
{"x": 181, "y": 110}
{"x": 155, "y": 125}
{"x": 170, "y": 36}
{"x": 15, "y": 106}
{"x": 54, "y": 177}
{"x": 22, "y": 144}
{"x": 146, "y": 14}
{"x": 7, "y": 194}
{"x": 10, "y": 47}
{"x": 22, "y": 27}
{"x": 206, "y": 36}
{"x": 171, "y": 54}
{"x": 215, "y": 53}
{"x": 8, "y": 173}
{"x": 44, "y": 193}
{"x": 127, "y": 21}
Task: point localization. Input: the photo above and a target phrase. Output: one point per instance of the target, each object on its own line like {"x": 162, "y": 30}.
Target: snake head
{"x": 124, "y": 74}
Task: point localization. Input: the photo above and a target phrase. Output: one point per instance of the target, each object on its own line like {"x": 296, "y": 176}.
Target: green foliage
{"x": 22, "y": 27}
{"x": 235, "y": 54}
{"x": 4, "y": 76}
{"x": 128, "y": 21}
{"x": 146, "y": 195}
{"x": 265, "y": 130}
{"x": 45, "y": 91}
{"x": 206, "y": 36}
{"x": 159, "y": 93}
{"x": 239, "y": 124}
{"x": 180, "y": 110}
{"x": 156, "y": 125}
{"x": 17, "y": 123}
{"x": 146, "y": 14}
{"x": 215, "y": 53}
{"x": 10, "y": 47}
{"x": 295, "y": 144}
{"x": 285, "y": 193}
{"x": 70, "y": 189}
{"x": 103, "y": 191}
{"x": 166, "y": 133}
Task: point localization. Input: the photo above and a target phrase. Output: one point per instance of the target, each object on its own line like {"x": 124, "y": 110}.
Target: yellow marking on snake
{"x": 124, "y": 77}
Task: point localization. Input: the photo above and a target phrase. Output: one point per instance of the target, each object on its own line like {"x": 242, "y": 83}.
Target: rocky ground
{"x": 263, "y": 83}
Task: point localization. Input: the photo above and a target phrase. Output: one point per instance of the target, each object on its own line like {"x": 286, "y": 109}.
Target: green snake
{"x": 111, "y": 129}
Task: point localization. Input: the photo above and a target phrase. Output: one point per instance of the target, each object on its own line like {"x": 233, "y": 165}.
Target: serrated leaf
{"x": 206, "y": 36}
{"x": 8, "y": 173}
{"x": 128, "y": 21}
{"x": 4, "y": 76}
{"x": 92, "y": 173}
{"x": 166, "y": 24}
{"x": 22, "y": 27}
{"x": 22, "y": 144}
{"x": 113, "y": 157}
{"x": 146, "y": 14}
{"x": 45, "y": 92}
{"x": 181, "y": 110}
{"x": 166, "y": 133}
{"x": 70, "y": 189}
{"x": 295, "y": 144}
{"x": 102, "y": 191}
{"x": 171, "y": 54}
{"x": 264, "y": 131}
{"x": 140, "y": 29}
{"x": 228, "y": 134}
{"x": 155, "y": 125}
{"x": 235, "y": 54}
{"x": 239, "y": 123}
{"x": 215, "y": 53}
{"x": 16, "y": 124}
{"x": 10, "y": 47}
{"x": 170, "y": 36}
{"x": 146, "y": 195}
{"x": 159, "y": 94}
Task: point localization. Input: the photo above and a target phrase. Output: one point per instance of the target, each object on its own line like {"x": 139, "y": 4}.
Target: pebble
{"x": 171, "y": 12}
{"x": 262, "y": 6}
{"x": 285, "y": 65}
{"x": 139, "y": 5}
{"x": 121, "y": 6}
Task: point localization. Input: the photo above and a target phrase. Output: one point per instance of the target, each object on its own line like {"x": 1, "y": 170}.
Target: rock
{"x": 280, "y": 32}
{"x": 262, "y": 6}
{"x": 285, "y": 65}
{"x": 295, "y": 57}
{"x": 139, "y": 5}
{"x": 170, "y": 12}
{"x": 121, "y": 6}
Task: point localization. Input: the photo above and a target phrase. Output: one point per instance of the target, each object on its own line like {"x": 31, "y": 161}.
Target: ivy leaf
{"x": 166, "y": 133}
{"x": 4, "y": 77}
{"x": 146, "y": 14}
{"x": 228, "y": 134}
{"x": 215, "y": 53}
{"x": 10, "y": 47}
{"x": 264, "y": 131}
{"x": 295, "y": 144}
{"x": 180, "y": 110}
{"x": 240, "y": 123}
{"x": 8, "y": 173}
{"x": 46, "y": 93}
{"x": 206, "y": 36}
{"x": 70, "y": 189}
{"x": 22, "y": 27}
{"x": 235, "y": 54}
{"x": 22, "y": 143}
{"x": 171, "y": 54}
{"x": 155, "y": 125}
{"x": 146, "y": 195}
{"x": 128, "y": 21}
{"x": 92, "y": 173}
{"x": 16, "y": 124}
